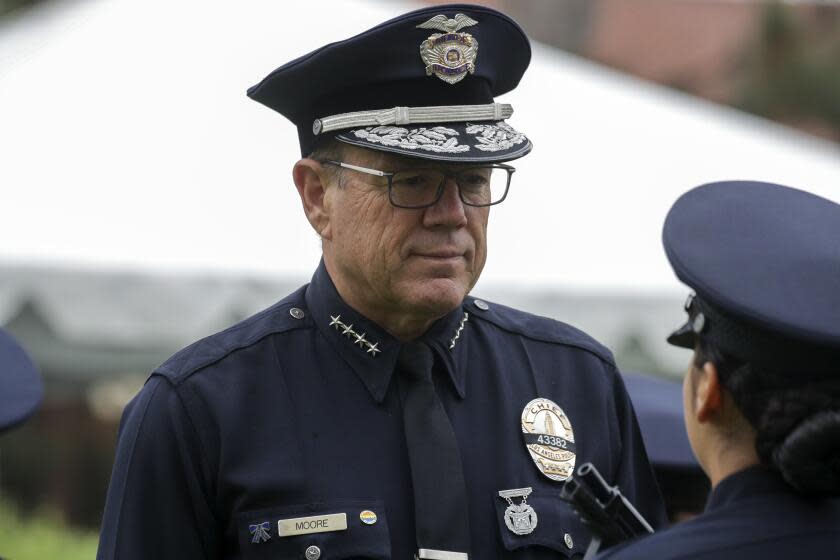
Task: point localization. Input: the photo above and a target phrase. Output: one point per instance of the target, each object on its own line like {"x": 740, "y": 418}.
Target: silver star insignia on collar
{"x": 371, "y": 348}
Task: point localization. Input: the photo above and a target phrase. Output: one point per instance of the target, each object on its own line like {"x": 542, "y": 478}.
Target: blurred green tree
{"x": 8, "y": 6}
{"x": 42, "y": 536}
{"x": 792, "y": 72}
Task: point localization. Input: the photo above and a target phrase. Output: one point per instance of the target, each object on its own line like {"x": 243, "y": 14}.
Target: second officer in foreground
{"x": 762, "y": 395}
{"x": 380, "y": 411}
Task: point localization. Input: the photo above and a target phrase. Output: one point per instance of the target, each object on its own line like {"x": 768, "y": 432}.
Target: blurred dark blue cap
{"x": 20, "y": 385}
{"x": 658, "y": 405}
{"x": 421, "y": 85}
{"x": 764, "y": 262}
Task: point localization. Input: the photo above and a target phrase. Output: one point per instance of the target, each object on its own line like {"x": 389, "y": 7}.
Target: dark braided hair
{"x": 796, "y": 418}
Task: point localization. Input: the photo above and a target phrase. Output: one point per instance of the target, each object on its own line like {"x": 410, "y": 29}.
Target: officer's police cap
{"x": 420, "y": 85}
{"x": 20, "y": 386}
{"x": 764, "y": 262}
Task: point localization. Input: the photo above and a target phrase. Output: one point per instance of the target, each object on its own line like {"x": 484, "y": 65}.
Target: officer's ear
{"x": 312, "y": 180}
{"x": 708, "y": 393}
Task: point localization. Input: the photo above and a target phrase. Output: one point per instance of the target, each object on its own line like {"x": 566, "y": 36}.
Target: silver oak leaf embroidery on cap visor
{"x": 495, "y": 137}
{"x": 435, "y": 139}
{"x": 488, "y": 137}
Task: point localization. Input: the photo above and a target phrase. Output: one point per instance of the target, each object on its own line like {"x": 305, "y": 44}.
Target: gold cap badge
{"x": 449, "y": 55}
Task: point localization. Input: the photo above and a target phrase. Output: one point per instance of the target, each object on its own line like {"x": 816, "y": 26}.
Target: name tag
{"x": 314, "y": 524}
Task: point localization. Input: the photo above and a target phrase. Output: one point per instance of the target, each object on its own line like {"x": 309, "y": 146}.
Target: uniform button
{"x": 481, "y": 304}
{"x": 312, "y": 553}
{"x": 567, "y": 538}
{"x": 297, "y": 313}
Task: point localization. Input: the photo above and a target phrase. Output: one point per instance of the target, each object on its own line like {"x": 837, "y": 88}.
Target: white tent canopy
{"x": 127, "y": 140}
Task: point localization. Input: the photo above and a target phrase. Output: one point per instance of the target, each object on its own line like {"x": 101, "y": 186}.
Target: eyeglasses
{"x": 483, "y": 185}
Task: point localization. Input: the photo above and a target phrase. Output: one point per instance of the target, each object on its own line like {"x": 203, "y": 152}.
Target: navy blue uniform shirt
{"x": 751, "y": 515}
{"x": 285, "y": 416}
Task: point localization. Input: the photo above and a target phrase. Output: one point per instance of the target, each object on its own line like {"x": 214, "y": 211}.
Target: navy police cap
{"x": 764, "y": 262}
{"x": 20, "y": 386}
{"x": 421, "y": 85}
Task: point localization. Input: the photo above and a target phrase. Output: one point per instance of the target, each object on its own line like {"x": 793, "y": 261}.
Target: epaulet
{"x": 273, "y": 320}
{"x": 535, "y": 327}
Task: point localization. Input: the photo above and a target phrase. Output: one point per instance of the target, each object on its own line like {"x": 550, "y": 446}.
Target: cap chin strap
{"x": 413, "y": 115}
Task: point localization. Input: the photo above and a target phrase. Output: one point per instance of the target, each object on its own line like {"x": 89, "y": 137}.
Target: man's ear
{"x": 311, "y": 181}
{"x": 708, "y": 397}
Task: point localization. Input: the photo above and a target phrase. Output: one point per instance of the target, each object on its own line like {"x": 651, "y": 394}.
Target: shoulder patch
{"x": 273, "y": 320}
{"x": 536, "y": 327}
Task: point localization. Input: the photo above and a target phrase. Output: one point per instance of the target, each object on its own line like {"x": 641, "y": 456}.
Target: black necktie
{"x": 440, "y": 497}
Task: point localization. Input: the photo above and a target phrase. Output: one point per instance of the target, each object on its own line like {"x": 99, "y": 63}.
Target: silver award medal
{"x": 549, "y": 438}
{"x": 449, "y": 55}
{"x": 521, "y": 518}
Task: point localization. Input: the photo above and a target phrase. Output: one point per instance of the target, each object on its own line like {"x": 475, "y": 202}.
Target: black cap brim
{"x": 684, "y": 337}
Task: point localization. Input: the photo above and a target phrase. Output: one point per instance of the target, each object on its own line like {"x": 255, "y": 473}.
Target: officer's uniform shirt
{"x": 752, "y": 514}
{"x": 762, "y": 260}
{"x": 286, "y": 415}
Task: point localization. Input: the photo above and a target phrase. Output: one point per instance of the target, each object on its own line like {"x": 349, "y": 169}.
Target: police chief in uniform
{"x": 762, "y": 395}
{"x": 379, "y": 411}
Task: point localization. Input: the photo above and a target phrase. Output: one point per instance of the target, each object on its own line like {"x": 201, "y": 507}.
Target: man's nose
{"x": 449, "y": 209}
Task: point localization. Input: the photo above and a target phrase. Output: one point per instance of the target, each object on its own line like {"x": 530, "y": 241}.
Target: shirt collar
{"x": 370, "y": 351}
{"x": 749, "y": 483}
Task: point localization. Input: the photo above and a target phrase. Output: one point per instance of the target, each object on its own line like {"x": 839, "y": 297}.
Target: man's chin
{"x": 438, "y": 296}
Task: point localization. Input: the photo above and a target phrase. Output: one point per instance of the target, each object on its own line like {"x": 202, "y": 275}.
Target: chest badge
{"x": 521, "y": 519}
{"x": 549, "y": 438}
{"x": 449, "y": 55}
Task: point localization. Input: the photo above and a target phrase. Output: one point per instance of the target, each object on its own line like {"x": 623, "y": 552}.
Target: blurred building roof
{"x": 131, "y": 309}
{"x": 84, "y": 325}
{"x": 81, "y": 325}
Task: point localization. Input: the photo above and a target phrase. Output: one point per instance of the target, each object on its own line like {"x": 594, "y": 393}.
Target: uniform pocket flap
{"x": 549, "y": 523}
